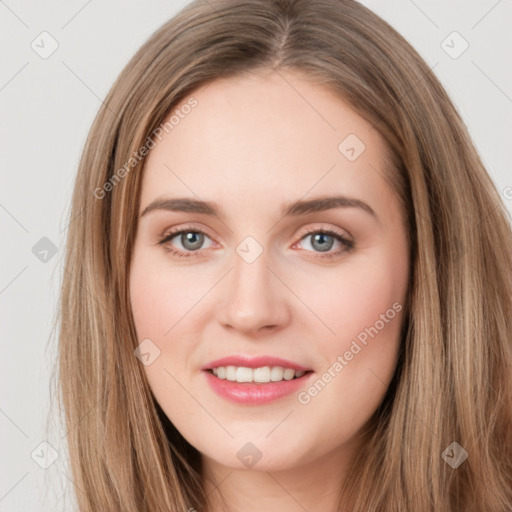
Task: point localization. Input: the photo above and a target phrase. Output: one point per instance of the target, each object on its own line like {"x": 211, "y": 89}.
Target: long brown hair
{"x": 453, "y": 381}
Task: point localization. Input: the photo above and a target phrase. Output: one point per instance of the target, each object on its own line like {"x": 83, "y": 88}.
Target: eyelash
{"x": 348, "y": 244}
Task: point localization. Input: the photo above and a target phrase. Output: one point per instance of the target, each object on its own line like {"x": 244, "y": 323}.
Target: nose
{"x": 254, "y": 299}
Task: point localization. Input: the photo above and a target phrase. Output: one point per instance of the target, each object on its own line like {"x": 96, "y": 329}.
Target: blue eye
{"x": 192, "y": 241}
{"x": 323, "y": 240}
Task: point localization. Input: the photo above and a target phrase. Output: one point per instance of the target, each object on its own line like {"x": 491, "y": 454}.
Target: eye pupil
{"x": 193, "y": 238}
{"x": 320, "y": 237}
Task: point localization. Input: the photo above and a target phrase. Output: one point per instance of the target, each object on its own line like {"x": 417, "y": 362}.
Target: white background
{"x": 47, "y": 107}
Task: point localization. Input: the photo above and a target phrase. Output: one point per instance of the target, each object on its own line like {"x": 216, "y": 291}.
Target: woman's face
{"x": 301, "y": 290}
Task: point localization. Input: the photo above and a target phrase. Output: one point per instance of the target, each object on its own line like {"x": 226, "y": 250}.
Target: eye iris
{"x": 193, "y": 238}
{"x": 320, "y": 237}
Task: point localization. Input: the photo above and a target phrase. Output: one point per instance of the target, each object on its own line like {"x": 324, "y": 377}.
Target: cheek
{"x": 363, "y": 306}
{"x": 168, "y": 305}
{"x": 354, "y": 299}
{"x": 160, "y": 298}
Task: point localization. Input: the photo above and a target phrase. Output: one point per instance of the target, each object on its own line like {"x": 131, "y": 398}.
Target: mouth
{"x": 256, "y": 386}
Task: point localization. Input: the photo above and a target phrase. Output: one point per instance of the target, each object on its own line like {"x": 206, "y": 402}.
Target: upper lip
{"x": 253, "y": 362}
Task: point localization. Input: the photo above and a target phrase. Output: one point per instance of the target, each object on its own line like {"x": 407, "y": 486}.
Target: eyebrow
{"x": 296, "y": 208}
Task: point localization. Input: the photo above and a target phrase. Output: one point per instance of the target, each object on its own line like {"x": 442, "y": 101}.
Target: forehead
{"x": 270, "y": 133}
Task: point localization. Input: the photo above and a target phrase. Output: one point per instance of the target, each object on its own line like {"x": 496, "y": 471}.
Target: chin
{"x": 256, "y": 455}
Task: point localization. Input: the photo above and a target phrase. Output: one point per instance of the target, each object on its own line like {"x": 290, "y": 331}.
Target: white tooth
{"x": 276, "y": 373}
{"x": 262, "y": 374}
{"x": 243, "y": 374}
{"x": 231, "y": 372}
{"x": 288, "y": 374}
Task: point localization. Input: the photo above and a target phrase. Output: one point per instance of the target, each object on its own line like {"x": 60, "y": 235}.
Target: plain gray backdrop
{"x": 48, "y": 102}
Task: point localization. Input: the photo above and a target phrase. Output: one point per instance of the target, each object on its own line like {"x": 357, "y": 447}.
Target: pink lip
{"x": 254, "y": 394}
{"x": 253, "y": 362}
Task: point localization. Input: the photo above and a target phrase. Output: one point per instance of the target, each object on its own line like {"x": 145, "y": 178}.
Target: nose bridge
{"x": 255, "y": 299}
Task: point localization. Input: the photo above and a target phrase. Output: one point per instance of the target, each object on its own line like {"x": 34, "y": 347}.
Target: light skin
{"x": 253, "y": 144}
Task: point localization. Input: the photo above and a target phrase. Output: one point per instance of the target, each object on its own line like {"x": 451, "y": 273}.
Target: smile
{"x": 248, "y": 390}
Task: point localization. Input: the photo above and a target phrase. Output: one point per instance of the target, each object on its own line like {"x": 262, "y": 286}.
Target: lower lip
{"x": 254, "y": 394}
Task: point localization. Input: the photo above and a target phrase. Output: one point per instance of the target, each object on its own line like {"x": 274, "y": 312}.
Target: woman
{"x": 288, "y": 281}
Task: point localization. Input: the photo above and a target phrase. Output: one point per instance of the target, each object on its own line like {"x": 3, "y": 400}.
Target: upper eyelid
{"x": 318, "y": 227}
{"x": 180, "y": 229}
{"x": 301, "y": 232}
